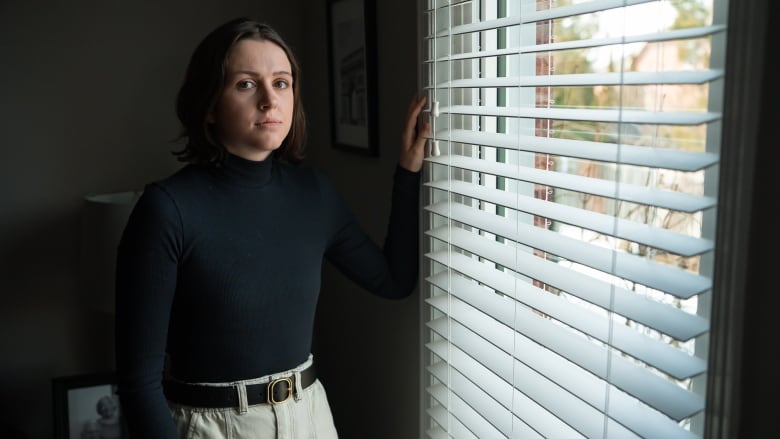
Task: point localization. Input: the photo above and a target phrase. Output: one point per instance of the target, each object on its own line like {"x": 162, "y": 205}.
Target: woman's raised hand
{"x": 413, "y": 136}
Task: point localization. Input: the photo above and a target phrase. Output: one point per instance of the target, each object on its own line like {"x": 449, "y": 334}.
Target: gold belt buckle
{"x": 269, "y": 397}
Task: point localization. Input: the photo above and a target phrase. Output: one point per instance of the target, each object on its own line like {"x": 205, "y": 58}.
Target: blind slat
{"x": 632, "y": 306}
{"x": 654, "y": 352}
{"x": 437, "y": 433}
{"x": 532, "y": 16}
{"x": 655, "y": 237}
{"x": 586, "y": 79}
{"x": 655, "y": 37}
{"x": 581, "y": 371}
{"x": 647, "y": 272}
{"x": 689, "y": 118}
{"x": 537, "y": 370}
{"x": 478, "y": 399}
{"x": 487, "y": 380}
{"x": 553, "y": 426}
{"x": 668, "y": 199}
{"x": 573, "y": 417}
{"x": 454, "y": 427}
{"x": 664, "y": 318}
{"x": 464, "y": 414}
{"x": 600, "y": 151}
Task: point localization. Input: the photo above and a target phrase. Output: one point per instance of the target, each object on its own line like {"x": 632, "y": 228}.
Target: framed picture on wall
{"x": 86, "y": 407}
{"x": 352, "y": 59}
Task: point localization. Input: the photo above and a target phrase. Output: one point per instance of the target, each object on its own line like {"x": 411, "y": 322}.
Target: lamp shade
{"x": 104, "y": 217}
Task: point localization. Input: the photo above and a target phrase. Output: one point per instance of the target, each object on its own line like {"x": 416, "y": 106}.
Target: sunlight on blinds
{"x": 570, "y": 197}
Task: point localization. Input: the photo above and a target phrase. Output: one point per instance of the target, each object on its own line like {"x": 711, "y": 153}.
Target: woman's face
{"x": 254, "y": 111}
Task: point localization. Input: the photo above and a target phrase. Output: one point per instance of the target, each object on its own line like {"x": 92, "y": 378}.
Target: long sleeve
{"x": 145, "y": 285}
{"x": 390, "y": 271}
{"x": 402, "y": 242}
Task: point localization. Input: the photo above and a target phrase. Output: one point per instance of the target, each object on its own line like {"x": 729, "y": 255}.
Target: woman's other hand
{"x": 413, "y": 137}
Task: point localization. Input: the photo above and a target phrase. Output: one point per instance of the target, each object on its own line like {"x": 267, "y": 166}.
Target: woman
{"x": 218, "y": 269}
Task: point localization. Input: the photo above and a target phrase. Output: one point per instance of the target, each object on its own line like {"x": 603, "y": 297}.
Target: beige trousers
{"x": 306, "y": 416}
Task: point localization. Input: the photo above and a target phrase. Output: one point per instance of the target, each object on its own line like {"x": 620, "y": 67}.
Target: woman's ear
{"x": 210, "y": 117}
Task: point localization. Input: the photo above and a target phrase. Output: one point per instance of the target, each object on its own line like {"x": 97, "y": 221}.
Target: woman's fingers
{"x": 410, "y": 130}
{"x": 413, "y": 136}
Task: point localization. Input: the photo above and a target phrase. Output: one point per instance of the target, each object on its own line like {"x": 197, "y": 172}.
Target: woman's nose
{"x": 267, "y": 98}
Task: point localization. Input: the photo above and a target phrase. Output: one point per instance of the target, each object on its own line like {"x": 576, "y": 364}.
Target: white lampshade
{"x": 103, "y": 220}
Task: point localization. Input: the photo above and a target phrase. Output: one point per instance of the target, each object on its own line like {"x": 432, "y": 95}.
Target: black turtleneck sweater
{"x": 219, "y": 267}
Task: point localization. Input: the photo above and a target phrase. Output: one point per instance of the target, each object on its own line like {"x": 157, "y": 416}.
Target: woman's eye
{"x": 244, "y": 85}
{"x": 282, "y": 83}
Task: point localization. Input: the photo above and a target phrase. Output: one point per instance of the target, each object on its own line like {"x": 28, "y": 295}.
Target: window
{"x": 569, "y": 216}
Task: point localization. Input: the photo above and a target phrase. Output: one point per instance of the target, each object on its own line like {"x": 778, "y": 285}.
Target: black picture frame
{"x": 353, "y": 75}
{"x": 78, "y": 402}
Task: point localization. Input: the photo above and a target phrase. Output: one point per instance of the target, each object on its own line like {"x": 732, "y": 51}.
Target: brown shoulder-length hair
{"x": 203, "y": 84}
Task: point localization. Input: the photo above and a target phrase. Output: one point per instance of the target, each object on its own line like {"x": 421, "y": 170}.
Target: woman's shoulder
{"x": 187, "y": 173}
{"x": 187, "y": 179}
{"x": 166, "y": 189}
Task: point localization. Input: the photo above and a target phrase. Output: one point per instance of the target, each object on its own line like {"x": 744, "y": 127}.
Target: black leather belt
{"x": 274, "y": 392}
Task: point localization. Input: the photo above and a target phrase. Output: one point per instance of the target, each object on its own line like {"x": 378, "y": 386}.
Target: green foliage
{"x": 691, "y": 14}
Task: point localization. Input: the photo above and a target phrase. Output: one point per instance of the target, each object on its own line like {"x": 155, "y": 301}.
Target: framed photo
{"x": 86, "y": 407}
{"x": 352, "y": 59}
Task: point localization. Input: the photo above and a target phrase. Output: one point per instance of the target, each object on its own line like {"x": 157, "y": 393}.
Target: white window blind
{"x": 570, "y": 199}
